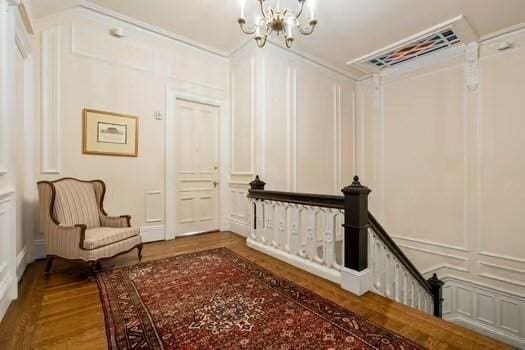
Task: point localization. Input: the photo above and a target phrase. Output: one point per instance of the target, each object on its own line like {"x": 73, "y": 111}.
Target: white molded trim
{"x": 301, "y": 263}
{"x": 430, "y": 243}
{"x": 51, "y": 104}
{"x": 502, "y": 256}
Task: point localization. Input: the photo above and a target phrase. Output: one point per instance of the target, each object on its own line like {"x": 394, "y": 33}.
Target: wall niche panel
{"x": 279, "y": 108}
{"x": 243, "y": 76}
{"x": 503, "y": 164}
{"x": 316, "y": 161}
{"x": 424, "y": 157}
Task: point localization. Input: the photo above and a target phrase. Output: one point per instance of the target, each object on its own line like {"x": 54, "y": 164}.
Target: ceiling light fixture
{"x": 280, "y": 22}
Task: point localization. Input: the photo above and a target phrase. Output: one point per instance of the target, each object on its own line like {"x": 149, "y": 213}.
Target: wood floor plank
{"x": 64, "y": 310}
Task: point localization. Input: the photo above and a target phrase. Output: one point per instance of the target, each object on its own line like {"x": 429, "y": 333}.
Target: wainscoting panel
{"x": 152, "y": 233}
{"x": 485, "y": 309}
{"x": 8, "y": 279}
{"x": 50, "y": 92}
{"x": 239, "y": 210}
{"x": 153, "y": 207}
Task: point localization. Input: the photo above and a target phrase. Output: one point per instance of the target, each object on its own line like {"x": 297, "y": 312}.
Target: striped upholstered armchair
{"x": 76, "y": 226}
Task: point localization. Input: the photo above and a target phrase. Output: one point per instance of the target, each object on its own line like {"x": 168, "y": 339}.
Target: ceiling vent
{"x": 433, "y": 43}
{"x": 441, "y": 37}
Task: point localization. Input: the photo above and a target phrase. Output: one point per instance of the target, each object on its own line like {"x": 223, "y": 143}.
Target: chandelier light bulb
{"x": 278, "y": 22}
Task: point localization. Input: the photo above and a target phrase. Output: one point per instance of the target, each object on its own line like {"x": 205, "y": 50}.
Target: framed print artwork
{"x": 110, "y": 134}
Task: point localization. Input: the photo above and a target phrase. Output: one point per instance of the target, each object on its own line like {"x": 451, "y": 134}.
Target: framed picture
{"x": 110, "y": 134}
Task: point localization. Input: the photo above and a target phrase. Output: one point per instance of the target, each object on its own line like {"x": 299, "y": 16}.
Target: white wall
{"x": 83, "y": 66}
{"x": 440, "y": 146}
{"x": 292, "y": 123}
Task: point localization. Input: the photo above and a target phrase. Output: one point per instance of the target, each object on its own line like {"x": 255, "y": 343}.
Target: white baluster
{"x": 405, "y": 288}
{"x": 379, "y": 271}
{"x": 329, "y": 239}
{"x": 310, "y": 234}
{"x": 388, "y": 275}
{"x": 295, "y": 223}
{"x": 282, "y": 239}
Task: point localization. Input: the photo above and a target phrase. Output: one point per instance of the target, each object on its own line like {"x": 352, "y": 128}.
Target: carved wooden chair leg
{"x": 139, "y": 248}
{"x": 49, "y": 264}
{"x": 92, "y": 270}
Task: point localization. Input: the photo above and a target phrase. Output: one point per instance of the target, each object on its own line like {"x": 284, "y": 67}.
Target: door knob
{"x": 215, "y": 183}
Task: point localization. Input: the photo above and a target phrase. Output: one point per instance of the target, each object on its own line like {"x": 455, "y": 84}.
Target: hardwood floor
{"x": 63, "y": 311}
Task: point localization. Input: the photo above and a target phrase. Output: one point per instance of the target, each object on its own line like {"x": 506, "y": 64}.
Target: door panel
{"x": 197, "y": 164}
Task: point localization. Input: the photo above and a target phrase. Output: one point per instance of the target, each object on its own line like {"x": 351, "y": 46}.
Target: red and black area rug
{"x": 218, "y": 300}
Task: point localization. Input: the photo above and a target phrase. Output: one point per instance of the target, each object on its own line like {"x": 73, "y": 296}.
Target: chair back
{"x": 76, "y": 203}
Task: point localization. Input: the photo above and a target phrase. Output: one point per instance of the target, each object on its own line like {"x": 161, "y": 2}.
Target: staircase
{"x": 337, "y": 238}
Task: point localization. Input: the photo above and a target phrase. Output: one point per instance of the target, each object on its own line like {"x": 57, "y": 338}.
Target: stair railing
{"x": 337, "y": 238}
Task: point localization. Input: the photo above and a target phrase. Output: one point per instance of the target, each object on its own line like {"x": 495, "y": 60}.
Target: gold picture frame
{"x": 110, "y": 134}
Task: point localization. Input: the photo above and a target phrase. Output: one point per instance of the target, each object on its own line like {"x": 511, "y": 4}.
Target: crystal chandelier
{"x": 280, "y": 22}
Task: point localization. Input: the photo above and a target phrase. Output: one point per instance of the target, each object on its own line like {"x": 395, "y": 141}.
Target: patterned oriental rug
{"x": 218, "y": 300}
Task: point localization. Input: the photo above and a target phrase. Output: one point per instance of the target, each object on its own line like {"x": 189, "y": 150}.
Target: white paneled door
{"x": 197, "y": 168}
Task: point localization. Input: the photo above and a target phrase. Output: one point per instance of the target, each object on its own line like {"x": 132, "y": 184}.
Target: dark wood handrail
{"x": 314, "y": 200}
{"x": 337, "y": 202}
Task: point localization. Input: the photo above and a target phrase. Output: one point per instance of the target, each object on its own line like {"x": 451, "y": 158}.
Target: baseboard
{"x": 240, "y": 228}
{"x": 22, "y": 260}
{"x": 39, "y": 249}
{"x": 485, "y": 310}
{"x": 152, "y": 233}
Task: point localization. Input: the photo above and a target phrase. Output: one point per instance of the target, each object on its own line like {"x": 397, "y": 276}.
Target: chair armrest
{"x": 70, "y": 235}
{"x": 115, "y": 221}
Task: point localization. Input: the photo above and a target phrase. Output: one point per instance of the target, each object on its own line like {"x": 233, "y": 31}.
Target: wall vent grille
{"x": 432, "y": 43}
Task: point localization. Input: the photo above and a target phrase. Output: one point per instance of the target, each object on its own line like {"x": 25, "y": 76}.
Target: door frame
{"x": 174, "y": 93}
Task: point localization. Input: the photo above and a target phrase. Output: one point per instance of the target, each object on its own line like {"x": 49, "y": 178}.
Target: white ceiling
{"x": 347, "y": 28}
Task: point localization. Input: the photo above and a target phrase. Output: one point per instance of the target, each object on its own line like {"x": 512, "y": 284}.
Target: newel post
{"x": 355, "y": 276}
{"x": 257, "y": 184}
{"x": 436, "y": 285}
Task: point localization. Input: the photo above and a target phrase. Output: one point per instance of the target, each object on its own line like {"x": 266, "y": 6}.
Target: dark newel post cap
{"x": 434, "y": 281}
{"x": 257, "y": 184}
{"x": 356, "y": 188}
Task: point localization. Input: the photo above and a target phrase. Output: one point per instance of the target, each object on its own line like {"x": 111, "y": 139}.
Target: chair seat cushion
{"x": 102, "y": 236}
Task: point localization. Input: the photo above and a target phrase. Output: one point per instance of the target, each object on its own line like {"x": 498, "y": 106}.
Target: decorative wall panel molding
{"x": 93, "y": 41}
{"x": 337, "y": 137}
{"x": 153, "y": 206}
{"x": 237, "y": 169}
{"x": 50, "y": 93}
{"x": 485, "y": 310}
{"x": 291, "y": 152}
